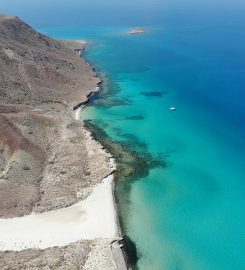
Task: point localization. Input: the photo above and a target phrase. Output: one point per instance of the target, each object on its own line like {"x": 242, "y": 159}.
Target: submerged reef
{"x": 153, "y": 94}
{"x": 133, "y": 163}
{"x": 132, "y": 158}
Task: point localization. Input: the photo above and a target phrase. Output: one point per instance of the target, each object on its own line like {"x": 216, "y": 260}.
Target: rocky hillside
{"x": 47, "y": 159}
{"x": 36, "y": 69}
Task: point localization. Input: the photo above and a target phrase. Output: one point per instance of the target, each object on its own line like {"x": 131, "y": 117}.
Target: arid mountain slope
{"x": 36, "y": 69}
{"x": 47, "y": 159}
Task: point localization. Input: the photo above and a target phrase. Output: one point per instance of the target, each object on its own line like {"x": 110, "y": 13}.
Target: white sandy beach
{"x": 92, "y": 218}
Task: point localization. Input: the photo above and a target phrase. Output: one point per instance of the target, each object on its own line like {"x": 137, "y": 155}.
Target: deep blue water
{"x": 189, "y": 215}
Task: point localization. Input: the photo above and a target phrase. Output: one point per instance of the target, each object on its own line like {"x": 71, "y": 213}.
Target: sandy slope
{"x": 89, "y": 219}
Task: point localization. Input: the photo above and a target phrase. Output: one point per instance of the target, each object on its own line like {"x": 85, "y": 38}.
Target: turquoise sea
{"x": 189, "y": 214}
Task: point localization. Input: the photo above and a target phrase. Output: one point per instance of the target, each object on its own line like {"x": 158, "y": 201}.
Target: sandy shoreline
{"x": 89, "y": 219}
{"x": 94, "y": 217}
{"x": 112, "y": 164}
{"x": 116, "y": 245}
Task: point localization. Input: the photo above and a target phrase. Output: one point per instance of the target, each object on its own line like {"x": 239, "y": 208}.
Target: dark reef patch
{"x": 108, "y": 94}
{"x": 134, "y": 117}
{"x": 133, "y": 159}
{"x": 133, "y": 163}
{"x": 113, "y": 101}
{"x": 130, "y": 251}
{"x": 154, "y": 94}
{"x": 108, "y": 101}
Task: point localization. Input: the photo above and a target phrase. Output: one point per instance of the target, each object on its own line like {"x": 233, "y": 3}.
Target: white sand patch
{"x": 78, "y": 113}
{"x": 95, "y": 217}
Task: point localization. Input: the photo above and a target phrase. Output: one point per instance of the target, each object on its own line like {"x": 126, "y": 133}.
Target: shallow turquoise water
{"x": 189, "y": 215}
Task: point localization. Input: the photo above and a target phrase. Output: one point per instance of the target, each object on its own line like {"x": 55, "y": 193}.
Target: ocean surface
{"x": 189, "y": 214}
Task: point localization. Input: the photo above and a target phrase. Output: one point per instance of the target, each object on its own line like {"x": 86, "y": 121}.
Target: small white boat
{"x": 172, "y": 109}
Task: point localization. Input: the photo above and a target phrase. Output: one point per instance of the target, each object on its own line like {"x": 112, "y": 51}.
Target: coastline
{"x": 116, "y": 245}
{"x": 57, "y": 183}
{"x": 111, "y": 164}
{"x": 48, "y": 229}
{"x": 78, "y": 222}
